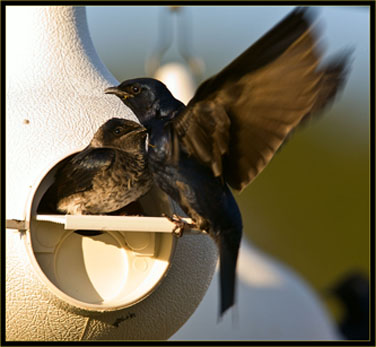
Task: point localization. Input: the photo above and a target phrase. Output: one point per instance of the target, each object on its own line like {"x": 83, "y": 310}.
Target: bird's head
{"x": 121, "y": 134}
{"x": 148, "y": 98}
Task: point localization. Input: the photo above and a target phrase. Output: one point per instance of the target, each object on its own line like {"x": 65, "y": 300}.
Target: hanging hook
{"x": 164, "y": 41}
{"x": 195, "y": 63}
{"x": 165, "y": 38}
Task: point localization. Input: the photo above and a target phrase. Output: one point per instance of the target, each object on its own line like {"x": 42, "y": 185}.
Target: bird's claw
{"x": 180, "y": 224}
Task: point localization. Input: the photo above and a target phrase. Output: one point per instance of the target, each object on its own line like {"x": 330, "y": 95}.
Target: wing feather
{"x": 78, "y": 173}
{"x": 240, "y": 117}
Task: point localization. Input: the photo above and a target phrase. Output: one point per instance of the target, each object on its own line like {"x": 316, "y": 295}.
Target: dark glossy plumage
{"x": 108, "y": 174}
{"x": 232, "y": 127}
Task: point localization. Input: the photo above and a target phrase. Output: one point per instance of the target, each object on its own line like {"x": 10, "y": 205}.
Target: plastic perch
{"x": 106, "y": 223}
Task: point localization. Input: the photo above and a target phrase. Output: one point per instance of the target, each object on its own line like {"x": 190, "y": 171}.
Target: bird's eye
{"x": 135, "y": 90}
{"x": 117, "y": 131}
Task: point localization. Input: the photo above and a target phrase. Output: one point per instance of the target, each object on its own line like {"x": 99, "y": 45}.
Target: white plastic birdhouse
{"x": 133, "y": 281}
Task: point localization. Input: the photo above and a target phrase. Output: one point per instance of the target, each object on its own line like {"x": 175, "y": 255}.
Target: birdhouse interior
{"x": 101, "y": 262}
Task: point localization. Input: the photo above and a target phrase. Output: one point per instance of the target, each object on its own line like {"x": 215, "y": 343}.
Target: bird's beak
{"x": 118, "y": 92}
{"x": 143, "y": 130}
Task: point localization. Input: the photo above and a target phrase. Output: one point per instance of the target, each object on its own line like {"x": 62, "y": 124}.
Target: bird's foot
{"x": 180, "y": 224}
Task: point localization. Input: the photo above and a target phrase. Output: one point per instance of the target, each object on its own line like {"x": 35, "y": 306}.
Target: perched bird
{"x": 111, "y": 172}
{"x": 232, "y": 127}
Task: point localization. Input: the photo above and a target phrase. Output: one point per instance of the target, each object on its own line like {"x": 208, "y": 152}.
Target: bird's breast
{"x": 159, "y": 148}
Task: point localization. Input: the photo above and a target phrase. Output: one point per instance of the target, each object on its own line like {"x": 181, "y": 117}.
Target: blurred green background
{"x": 310, "y": 207}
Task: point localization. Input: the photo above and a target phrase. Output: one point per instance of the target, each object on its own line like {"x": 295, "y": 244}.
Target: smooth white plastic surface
{"x": 113, "y": 270}
{"x": 273, "y": 304}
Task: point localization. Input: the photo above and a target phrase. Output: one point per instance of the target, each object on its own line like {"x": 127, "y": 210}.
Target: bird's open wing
{"x": 239, "y": 118}
{"x": 77, "y": 174}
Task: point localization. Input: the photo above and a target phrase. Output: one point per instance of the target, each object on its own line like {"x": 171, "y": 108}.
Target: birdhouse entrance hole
{"x": 101, "y": 262}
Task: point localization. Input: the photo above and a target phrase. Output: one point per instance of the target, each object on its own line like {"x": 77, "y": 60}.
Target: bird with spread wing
{"x": 234, "y": 124}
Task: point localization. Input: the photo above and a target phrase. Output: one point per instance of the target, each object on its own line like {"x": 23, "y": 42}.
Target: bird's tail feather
{"x": 228, "y": 245}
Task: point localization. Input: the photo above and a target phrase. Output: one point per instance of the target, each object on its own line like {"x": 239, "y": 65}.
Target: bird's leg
{"x": 180, "y": 224}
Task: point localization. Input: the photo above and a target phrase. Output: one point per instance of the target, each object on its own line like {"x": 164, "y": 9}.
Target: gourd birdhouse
{"x": 133, "y": 279}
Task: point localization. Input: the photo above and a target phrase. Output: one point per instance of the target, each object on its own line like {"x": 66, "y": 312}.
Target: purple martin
{"x": 110, "y": 173}
{"x": 232, "y": 127}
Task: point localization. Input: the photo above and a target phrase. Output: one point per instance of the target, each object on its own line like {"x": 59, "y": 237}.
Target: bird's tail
{"x": 228, "y": 244}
